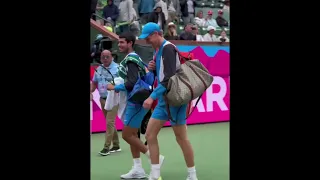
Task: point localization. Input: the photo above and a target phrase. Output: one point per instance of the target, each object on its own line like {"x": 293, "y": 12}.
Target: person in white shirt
{"x": 187, "y": 10}
{"x": 135, "y": 25}
{"x": 125, "y": 14}
{"x": 223, "y": 37}
{"x": 164, "y": 8}
{"x": 199, "y": 20}
{"x": 210, "y": 35}
{"x": 226, "y": 6}
{"x": 172, "y": 15}
{"x": 210, "y": 21}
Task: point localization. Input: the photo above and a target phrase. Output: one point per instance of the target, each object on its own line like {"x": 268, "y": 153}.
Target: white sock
{"x": 192, "y": 171}
{"x": 155, "y": 170}
{"x": 147, "y": 154}
{"x": 137, "y": 163}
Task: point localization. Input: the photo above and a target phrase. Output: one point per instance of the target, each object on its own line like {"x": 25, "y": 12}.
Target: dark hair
{"x": 128, "y": 36}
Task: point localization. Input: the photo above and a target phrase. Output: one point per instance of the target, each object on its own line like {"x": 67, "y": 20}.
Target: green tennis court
{"x": 211, "y": 148}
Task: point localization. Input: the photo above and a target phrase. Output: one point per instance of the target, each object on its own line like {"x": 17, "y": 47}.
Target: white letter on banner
{"x": 96, "y": 98}
{"x": 218, "y": 97}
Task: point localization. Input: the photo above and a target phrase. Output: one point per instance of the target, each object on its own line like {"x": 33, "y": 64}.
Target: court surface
{"x": 211, "y": 148}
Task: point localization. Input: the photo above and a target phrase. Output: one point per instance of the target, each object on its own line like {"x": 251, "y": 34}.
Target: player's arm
{"x": 132, "y": 77}
{"x": 168, "y": 69}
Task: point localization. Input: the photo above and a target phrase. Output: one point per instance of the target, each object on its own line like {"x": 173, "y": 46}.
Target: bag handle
{"x": 180, "y": 55}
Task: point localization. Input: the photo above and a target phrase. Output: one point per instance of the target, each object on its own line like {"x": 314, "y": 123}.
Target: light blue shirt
{"x": 102, "y": 77}
{"x": 211, "y": 22}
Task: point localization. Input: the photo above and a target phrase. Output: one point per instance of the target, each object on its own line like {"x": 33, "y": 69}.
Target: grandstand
{"x": 200, "y": 5}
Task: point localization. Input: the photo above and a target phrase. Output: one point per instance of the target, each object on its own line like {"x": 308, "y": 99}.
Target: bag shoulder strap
{"x": 179, "y": 53}
{"x": 109, "y": 73}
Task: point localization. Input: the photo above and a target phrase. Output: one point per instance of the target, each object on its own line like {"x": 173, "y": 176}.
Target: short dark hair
{"x": 128, "y": 36}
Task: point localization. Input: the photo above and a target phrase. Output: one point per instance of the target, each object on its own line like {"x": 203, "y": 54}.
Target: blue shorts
{"x": 134, "y": 115}
{"x": 178, "y": 114}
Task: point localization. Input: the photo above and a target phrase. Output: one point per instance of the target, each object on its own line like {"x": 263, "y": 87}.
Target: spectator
{"x": 93, "y": 8}
{"x": 125, "y": 14}
{"x": 210, "y": 35}
{"x": 145, "y": 8}
{"x": 226, "y": 6}
{"x": 95, "y": 49}
{"x": 101, "y": 79}
{"x": 110, "y": 12}
{"x": 164, "y": 8}
{"x": 187, "y": 11}
{"x": 116, "y": 2}
{"x": 195, "y": 32}
{"x": 173, "y": 10}
{"x": 157, "y": 16}
{"x": 171, "y": 32}
{"x": 223, "y": 37}
{"x": 199, "y": 20}
{"x": 100, "y": 7}
{"x": 109, "y": 27}
{"x": 210, "y": 21}
{"x": 135, "y": 7}
{"x": 187, "y": 33}
{"x": 135, "y": 25}
{"x": 220, "y": 20}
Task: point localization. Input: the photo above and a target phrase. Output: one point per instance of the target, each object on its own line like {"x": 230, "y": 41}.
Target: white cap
{"x": 210, "y": 28}
{"x": 171, "y": 24}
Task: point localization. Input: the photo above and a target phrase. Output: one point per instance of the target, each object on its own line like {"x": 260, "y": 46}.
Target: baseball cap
{"x": 171, "y": 24}
{"x": 210, "y": 28}
{"x": 99, "y": 36}
{"x": 210, "y": 12}
{"x": 148, "y": 29}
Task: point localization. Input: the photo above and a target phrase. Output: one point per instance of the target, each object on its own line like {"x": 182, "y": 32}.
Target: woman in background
{"x": 171, "y": 32}
{"x": 223, "y": 37}
{"x": 199, "y": 20}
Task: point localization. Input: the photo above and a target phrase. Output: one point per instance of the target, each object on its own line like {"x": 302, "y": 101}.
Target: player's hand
{"x": 152, "y": 65}
{"x": 110, "y": 87}
{"x": 148, "y": 103}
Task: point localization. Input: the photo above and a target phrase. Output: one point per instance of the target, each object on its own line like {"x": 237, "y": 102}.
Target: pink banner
{"x": 213, "y": 106}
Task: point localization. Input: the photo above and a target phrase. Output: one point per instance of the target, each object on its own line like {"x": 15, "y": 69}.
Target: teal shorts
{"x": 134, "y": 115}
{"x": 178, "y": 114}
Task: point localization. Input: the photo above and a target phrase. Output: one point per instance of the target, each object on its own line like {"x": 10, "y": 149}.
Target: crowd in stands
{"x": 199, "y": 20}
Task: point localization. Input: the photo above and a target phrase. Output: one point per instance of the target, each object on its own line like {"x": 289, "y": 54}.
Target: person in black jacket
{"x": 187, "y": 33}
{"x": 157, "y": 16}
{"x": 110, "y": 12}
{"x": 93, "y": 8}
{"x": 220, "y": 20}
{"x": 187, "y": 11}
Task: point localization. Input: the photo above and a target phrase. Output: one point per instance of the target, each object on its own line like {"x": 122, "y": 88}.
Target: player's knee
{"x": 126, "y": 135}
{"x": 150, "y": 137}
{"x": 181, "y": 137}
